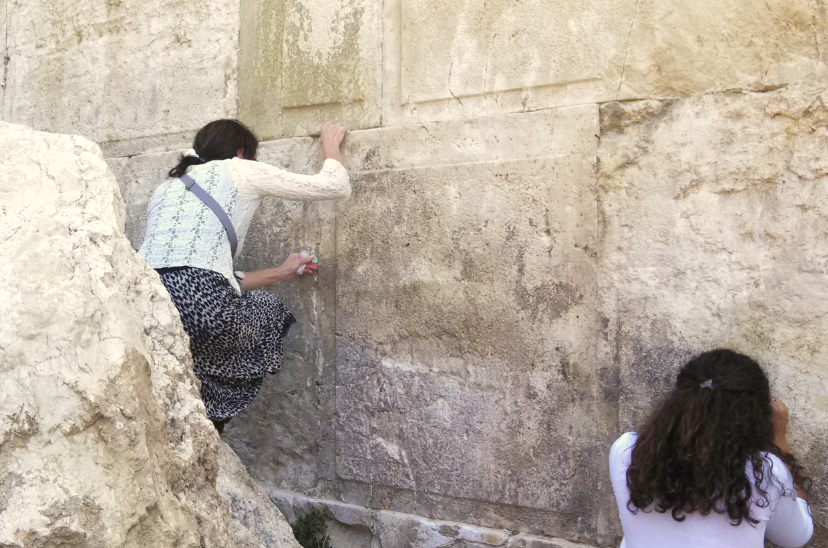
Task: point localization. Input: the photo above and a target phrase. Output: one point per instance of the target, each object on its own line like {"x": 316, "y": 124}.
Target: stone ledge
{"x": 386, "y": 529}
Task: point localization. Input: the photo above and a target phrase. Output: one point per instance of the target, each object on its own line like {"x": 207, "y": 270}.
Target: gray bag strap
{"x": 208, "y": 200}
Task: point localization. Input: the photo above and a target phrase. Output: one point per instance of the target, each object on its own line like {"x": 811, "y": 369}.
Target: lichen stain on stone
{"x": 260, "y": 58}
{"x": 617, "y": 116}
{"x": 549, "y": 300}
{"x": 322, "y": 66}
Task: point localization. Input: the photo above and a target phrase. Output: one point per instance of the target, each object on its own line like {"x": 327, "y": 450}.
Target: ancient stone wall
{"x": 555, "y": 204}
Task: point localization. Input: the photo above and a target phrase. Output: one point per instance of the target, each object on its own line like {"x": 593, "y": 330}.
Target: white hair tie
{"x": 192, "y": 153}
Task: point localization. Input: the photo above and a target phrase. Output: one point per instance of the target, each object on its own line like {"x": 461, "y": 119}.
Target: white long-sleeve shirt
{"x": 182, "y": 231}
{"x": 786, "y": 521}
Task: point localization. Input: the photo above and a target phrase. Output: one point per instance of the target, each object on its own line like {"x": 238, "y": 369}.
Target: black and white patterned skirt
{"x": 235, "y": 341}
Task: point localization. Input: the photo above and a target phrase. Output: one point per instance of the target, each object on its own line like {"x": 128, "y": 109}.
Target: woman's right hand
{"x": 330, "y": 137}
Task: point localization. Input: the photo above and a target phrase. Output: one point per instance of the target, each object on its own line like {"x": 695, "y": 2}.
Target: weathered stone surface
{"x": 448, "y": 60}
{"x": 304, "y": 62}
{"x": 693, "y": 47}
{"x": 503, "y": 179}
{"x": 465, "y": 315}
{"x": 506, "y": 56}
{"x": 242, "y": 537}
{"x": 141, "y": 76}
{"x": 103, "y": 438}
{"x": 352, "y": 526}
{"x": 249, "y": 505}
{"x": 2, "y": 53}
{"x": 713, "y": 214}
{"x": 132, "y": 75}
{"x": 413, "y": 405}
{"x": 532, "y": 541}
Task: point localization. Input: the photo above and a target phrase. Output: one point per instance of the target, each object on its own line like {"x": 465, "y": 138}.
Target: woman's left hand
{"x": 287, "y": 270}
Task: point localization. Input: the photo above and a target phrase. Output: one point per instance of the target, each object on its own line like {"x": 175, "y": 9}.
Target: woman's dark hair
{"x": 218, "y": 140}
{"x": 693, "y": 452}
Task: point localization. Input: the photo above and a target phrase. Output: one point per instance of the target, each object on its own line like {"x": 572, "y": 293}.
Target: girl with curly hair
{"x": 712, "y": 468}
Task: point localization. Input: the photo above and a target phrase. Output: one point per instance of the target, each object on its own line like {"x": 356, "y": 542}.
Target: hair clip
{"x": 192, "y": 153}
{"x": 707, "y": 384}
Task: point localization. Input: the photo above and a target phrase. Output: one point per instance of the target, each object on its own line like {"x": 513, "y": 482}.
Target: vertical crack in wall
{"x": 228, "y": 77}
{"x": 815, "y": 9}
{"x": 627, "y": 49}
{"x": 451, "y": 71}
{"x": 6, "y": 58}
{"x": 451, "y": 67}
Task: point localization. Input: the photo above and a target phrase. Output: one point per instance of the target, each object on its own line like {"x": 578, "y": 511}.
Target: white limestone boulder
{"x": 104, "y": 441}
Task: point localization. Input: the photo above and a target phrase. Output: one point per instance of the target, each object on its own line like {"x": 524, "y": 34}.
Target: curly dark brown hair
{"x": 693, "y": 453}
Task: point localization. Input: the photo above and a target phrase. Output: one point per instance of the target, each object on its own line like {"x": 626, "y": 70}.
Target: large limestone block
{"x": 466, "y": 312}
{"x": 464, "y": 59}
{"x": 700, "y": 46}
{"x": 104, "y": 440}
{"x": 446, "y": 60}
{"x": 304, "y": 62}
{"x": 713, "y": 213}
{"x": 133, "y": 75}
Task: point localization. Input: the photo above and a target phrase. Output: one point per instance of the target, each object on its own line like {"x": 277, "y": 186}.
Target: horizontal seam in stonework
{"x": 151, "y": 136}
{"x": 492, "y": 503}
{"x": 459, "y": 164}
{"x": 317, "y": 105}
{"x": 433, "y": 166}
{"x": 506, "y": 90}
{"x": 663, "y": 99}
{"x": 145, "y": 138}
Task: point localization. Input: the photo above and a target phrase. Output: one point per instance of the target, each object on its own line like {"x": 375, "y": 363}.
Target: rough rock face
{"x": 250, "y": 507}
{"x": 104, "y": 441}
{"x": 351, "y": 526}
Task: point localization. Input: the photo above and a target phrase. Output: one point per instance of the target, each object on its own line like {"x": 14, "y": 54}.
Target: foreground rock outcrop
{"x": 104, "y": 441}
{"x": 250, "y": 507}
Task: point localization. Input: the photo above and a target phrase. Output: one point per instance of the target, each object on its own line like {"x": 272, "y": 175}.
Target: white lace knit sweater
{"x": 182, "y": 231}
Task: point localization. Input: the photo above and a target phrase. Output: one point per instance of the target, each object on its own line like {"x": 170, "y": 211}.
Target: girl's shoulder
{"x": 625, "y": 440}
{"x": 775, "y": 474}
{"x": 622, "y": 448}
